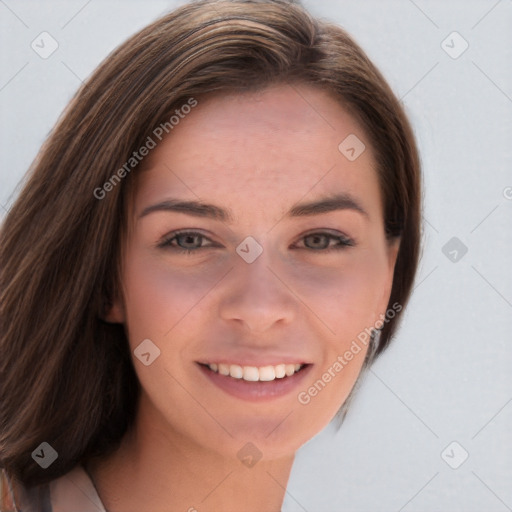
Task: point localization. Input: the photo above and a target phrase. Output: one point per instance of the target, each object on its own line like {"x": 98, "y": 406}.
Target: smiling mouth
{"x": 254, "y": 373}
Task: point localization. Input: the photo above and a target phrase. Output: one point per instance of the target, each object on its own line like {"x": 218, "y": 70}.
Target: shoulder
{"x": 72, "y": 491}
{"x": 16, "y": 497}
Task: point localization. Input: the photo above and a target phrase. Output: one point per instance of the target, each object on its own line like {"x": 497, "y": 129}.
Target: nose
{"x": 258, "y": 297}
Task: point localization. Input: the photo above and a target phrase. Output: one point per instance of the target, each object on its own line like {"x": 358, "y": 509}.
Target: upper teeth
{"x": 254, "y": 373}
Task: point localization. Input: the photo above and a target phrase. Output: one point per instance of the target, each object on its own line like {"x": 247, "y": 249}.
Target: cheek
{"x": 158, "y": 296}
{"x": 346, "y": 300}
{"x": 345, "y": 297}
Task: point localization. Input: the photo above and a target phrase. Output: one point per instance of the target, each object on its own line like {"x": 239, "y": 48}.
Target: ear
{"x": 113, "y": 312}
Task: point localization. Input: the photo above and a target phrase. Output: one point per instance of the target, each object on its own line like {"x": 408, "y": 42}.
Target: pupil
{"x": 189, "y": 239}
{"x": 316, "y": 239}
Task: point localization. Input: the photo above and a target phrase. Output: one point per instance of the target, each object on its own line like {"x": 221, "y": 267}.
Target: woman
{"x": 215, "y": 240}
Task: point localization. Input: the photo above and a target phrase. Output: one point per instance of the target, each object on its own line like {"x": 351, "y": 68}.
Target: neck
{"x": 164, "y": 471}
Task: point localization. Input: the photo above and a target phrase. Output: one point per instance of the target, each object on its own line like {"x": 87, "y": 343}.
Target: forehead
{"x": 262, "y": 152}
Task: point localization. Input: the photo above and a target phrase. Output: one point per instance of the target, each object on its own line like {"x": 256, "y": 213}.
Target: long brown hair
{"x": 66, "y": 375}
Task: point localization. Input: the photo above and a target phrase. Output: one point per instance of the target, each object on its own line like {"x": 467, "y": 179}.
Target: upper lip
{"x": 254, "y": 361}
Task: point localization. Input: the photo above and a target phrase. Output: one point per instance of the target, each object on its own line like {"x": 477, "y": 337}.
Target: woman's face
{"x": 270, "y": 282}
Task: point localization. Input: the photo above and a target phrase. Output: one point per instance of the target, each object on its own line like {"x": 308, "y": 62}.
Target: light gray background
{"x": 447, "y": 375}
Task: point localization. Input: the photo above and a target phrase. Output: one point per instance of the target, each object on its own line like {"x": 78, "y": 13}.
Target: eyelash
{"x": 343, "y": 240}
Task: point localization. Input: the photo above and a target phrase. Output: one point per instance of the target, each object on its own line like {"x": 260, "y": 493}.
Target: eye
{"x": 322, "y": 241}
{"x": 186, "y": 242}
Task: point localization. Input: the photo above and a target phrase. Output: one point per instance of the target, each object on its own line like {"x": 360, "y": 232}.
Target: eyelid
{"x": 330, "y": 232}
{"x": 346, "y": 241}
{"x": 173, "y": 234}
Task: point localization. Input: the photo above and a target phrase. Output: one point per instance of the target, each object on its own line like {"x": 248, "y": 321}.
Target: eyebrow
{"x": 200, "y": 209}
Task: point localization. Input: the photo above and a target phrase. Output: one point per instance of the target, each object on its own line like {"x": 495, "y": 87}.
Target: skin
{"x": 257, "y": 154}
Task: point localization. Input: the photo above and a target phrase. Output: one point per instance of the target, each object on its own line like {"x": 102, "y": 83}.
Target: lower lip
{"x": 256, "y": 391}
